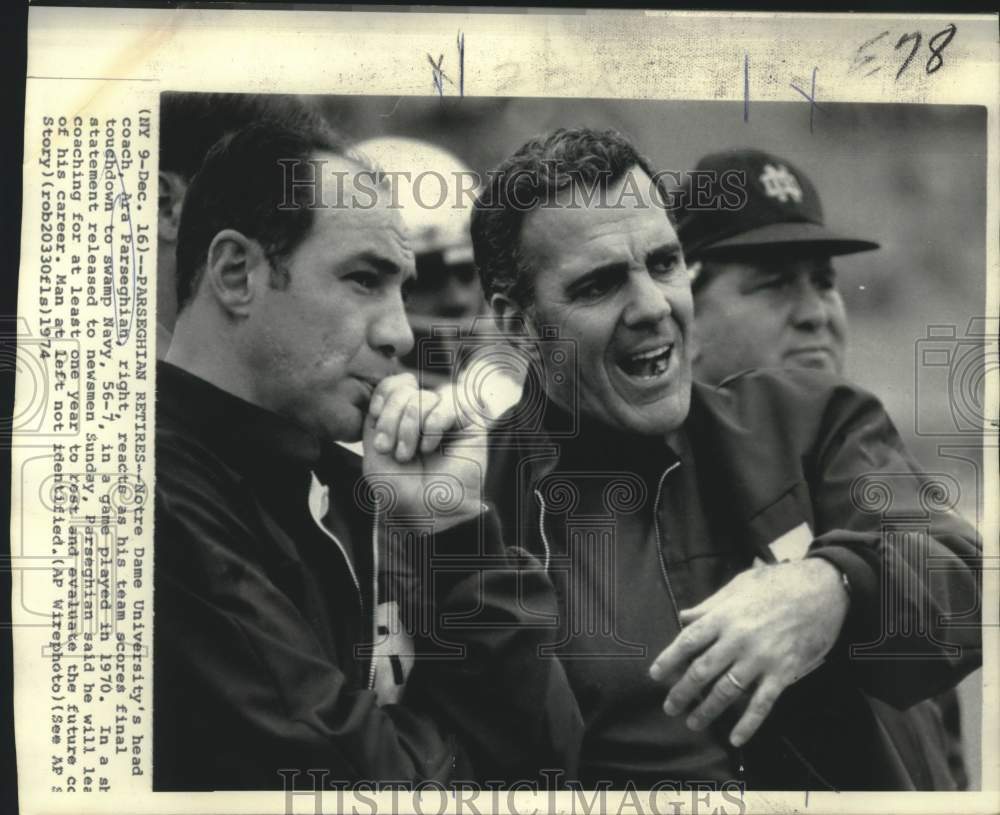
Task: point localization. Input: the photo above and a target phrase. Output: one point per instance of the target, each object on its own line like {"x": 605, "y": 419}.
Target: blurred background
{"x": 911, "y": 177}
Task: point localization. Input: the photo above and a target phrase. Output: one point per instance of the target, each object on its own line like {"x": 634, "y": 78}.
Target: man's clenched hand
{"x": 409, "y": 444}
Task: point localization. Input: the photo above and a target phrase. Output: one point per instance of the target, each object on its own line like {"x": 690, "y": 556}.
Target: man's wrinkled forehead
{"x": 398, "y": 237}
{"x": 358, "y": 213}
{"x": 624, "y": 216}
{"x": 383, "y": 242}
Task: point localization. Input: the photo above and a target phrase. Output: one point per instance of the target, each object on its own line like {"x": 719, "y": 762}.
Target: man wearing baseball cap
{"x": 754, "y": 235}
{"x": 765, "y": 292}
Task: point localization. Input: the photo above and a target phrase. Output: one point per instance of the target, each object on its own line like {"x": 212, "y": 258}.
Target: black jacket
{"x": 775, "y": 451}
{"x": 263, "y": 623}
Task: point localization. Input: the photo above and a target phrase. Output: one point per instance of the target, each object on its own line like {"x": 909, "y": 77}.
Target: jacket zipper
{"x": 656, "y": 522}
{"x": 371, "y": 666}
{"x": 659, "y": 542}
{"x": 659, "y": 552}
{"x": 317, "y": 489}
{"x": 741, "y": 763}
{"x": 541, "y": 529}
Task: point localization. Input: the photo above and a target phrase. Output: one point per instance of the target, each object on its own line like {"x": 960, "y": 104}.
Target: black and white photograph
{"x": 509, "y": 410}
{"x": 548, "y": 441}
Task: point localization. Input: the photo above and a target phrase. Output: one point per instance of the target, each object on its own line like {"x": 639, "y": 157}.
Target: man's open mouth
{"x": 649, "y": 364}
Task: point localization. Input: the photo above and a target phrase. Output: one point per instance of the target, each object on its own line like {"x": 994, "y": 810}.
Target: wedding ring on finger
{"x": 732, "y": 678}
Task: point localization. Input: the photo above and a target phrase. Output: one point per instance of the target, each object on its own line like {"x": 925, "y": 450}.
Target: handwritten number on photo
{"x": 947, "y": 34}
{"x": 908, "y": 45}
{"x": 915, "y": 38}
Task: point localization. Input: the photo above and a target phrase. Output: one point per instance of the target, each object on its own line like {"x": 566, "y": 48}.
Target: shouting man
{"x": 720, "y": 554}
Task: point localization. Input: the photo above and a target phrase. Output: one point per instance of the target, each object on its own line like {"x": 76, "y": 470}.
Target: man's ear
{"x": 511, "y": 318}
{"x": 232, "y": 268}
{"x": 170, "y": 197}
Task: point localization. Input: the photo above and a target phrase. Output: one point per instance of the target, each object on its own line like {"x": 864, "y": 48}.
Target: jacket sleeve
{"x": 244, "y": 686}
{"x": 913, "y": 628}
{"x": 491, "y": 609}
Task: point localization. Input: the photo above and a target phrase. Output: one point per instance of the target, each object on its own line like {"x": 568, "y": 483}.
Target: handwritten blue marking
{"x": 438, "y": 74}
{"x": 810, "y": 98}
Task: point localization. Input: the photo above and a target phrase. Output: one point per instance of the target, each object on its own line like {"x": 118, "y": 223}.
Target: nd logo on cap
{"x": 778, "y": 182}
{"x": 781, "y": 210}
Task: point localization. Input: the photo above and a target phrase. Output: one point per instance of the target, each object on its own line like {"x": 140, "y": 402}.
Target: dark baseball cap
{"x": 741, "y": 202}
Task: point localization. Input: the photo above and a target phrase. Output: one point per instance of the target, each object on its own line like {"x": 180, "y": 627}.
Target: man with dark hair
{"x": 190, "y": 123}
{"x": 531, "y": 179}
{"x": 720, "y": 543}
{"x": 298, "y": 618}
{"x": 766, "y": 296}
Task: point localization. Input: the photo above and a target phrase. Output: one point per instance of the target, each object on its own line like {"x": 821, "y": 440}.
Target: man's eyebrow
{"x": 787, "y": 269}
{"x": 384, "y": 266}
{"x": 619, "y": 267}
{"x": 611, "y": 269}
{"x": 664, "y": 250}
